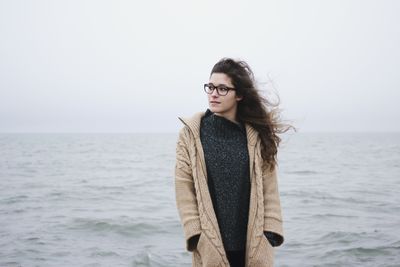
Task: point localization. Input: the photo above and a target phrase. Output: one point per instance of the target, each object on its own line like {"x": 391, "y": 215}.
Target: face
{"x": 225, "y": 106}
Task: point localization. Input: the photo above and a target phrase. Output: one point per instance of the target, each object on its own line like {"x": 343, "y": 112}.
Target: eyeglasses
{"x": 222, "y": 90}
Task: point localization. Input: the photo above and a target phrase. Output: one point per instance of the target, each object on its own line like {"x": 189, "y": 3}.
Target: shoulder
{"x": 192, "y": 119}
{"x": 184, "y": 131}
{"x": 191, "y": 125}
{"x": 185, "y": 135}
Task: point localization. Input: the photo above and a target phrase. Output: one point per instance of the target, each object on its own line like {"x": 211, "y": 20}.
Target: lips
{"x": 215, "y": 102}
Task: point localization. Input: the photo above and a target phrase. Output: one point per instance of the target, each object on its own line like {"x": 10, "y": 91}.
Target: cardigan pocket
{"x": 207, "y": 252}
{"x": 196, "y": 259}
{"x": 264, "y": 255}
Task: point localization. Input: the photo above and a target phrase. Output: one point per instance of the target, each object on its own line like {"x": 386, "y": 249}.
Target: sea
{"x": 109, "y": 200}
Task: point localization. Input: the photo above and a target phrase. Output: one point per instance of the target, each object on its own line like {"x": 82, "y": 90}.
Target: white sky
{"x": 135, "y": 66}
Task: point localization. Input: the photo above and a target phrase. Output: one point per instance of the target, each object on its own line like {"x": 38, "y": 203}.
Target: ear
{"x": 238, "y": 98}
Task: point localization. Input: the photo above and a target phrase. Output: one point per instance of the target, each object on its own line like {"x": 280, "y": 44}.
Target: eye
{"x": 222, "y": 88}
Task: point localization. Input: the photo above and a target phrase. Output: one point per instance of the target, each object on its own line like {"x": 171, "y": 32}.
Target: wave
{"x": 302, "y": 172}
{"x": 14, "y": 199}
{"x": 364, "y": 251}
{"x": 130, "y": 229}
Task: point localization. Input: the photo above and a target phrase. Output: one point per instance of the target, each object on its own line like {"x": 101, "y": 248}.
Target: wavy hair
{"x": 258, "y": 111}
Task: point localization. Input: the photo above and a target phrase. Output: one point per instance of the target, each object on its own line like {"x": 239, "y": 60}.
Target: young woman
{"x": 225, "y": 173}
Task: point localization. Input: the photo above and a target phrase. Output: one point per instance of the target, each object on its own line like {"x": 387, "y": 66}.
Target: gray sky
{"x": 135, "y": 66}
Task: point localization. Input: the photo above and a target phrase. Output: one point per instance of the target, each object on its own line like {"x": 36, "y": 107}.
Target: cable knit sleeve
{"x": 185, "y": 191}
{"x": 272, "y": 206}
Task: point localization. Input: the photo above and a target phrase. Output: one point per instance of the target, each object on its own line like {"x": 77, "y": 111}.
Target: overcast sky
{"x": 135, "y": 66}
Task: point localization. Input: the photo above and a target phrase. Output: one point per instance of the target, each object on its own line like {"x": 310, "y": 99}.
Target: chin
{"x": 214, "y": 109}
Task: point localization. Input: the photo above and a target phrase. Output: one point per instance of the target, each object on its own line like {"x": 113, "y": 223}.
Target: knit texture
{"x": 227, "y": 162}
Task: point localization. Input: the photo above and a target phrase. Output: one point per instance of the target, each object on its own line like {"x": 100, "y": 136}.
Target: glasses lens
{"x": 208, "y": 88}
{"x": 222, "y": 90}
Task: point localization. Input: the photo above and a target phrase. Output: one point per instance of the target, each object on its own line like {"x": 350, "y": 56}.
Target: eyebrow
{"x": 219, "y": 84}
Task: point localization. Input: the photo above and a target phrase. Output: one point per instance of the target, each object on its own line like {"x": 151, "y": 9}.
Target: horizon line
{"x": 175, "y": 132}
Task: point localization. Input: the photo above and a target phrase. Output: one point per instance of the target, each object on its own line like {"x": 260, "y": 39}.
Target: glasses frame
{"x": 219, "y": 87}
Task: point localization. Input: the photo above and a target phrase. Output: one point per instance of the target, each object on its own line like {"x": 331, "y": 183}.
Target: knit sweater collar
{"x": 193, "y": 123}
{"x": 222, "y": 124}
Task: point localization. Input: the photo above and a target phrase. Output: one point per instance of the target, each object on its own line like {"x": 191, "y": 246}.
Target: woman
{"x": 225, "y": 174}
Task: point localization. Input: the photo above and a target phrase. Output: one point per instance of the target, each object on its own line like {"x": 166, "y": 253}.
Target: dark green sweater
{"x": 227, "y": 160}
{"x": 225, "y": 150}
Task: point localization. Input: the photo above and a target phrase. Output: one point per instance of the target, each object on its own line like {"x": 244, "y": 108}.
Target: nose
{"x": 214, "y": 93}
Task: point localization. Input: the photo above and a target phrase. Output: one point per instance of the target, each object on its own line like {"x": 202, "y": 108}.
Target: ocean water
{"x": 109, "y": 200}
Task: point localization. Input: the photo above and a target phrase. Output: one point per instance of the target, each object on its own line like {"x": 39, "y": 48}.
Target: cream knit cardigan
{"x": 195, "y": 206}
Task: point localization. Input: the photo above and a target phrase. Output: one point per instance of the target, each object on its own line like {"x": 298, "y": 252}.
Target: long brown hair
{"x": 261, "y": 113}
